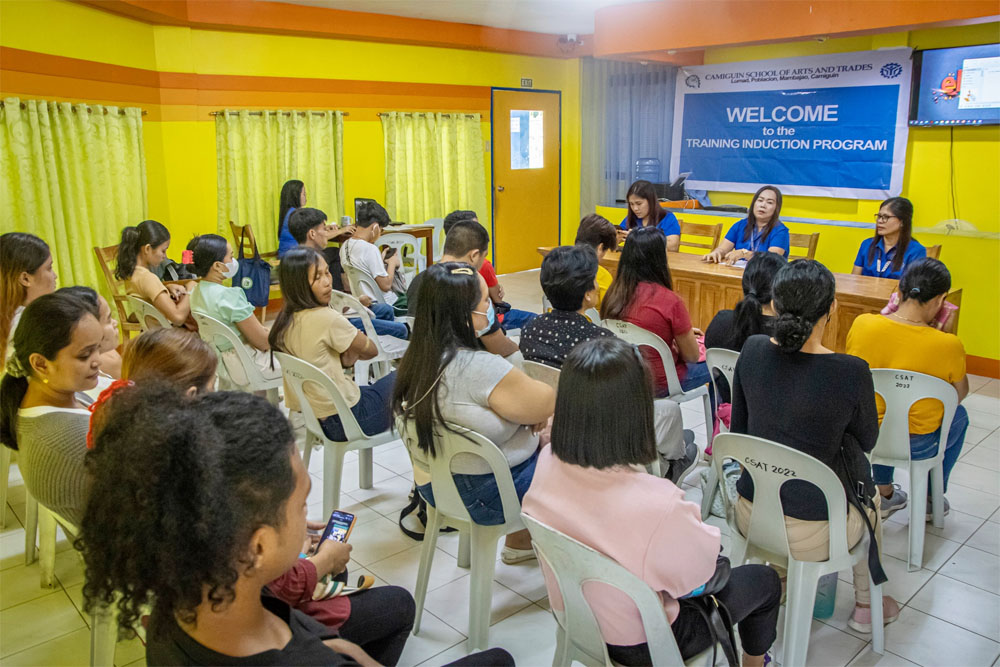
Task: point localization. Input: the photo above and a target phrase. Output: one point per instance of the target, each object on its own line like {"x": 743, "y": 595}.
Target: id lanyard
{"x": 880, "y": 270}
{"x": 755, "y": 239}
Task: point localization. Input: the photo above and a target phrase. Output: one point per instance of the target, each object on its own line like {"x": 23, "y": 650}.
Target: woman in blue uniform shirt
{"x": 645, "y": 211}
{"x": 888, "y": 253}
{"x": 760, "y": 231}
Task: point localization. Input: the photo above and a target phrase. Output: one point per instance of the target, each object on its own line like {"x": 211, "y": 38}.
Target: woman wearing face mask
{"x": 142, "y": 248}
{"x": 212, "y": 260}
{"x": 43, "y": 412}
{"x": 760, "y": 231}
{"x": 892, "y": 248}
{"x": 25, "y": 274}
{"x": 312, "y": 331}
{"x": 447, "y": 376}
{"x": 111, "y": 361}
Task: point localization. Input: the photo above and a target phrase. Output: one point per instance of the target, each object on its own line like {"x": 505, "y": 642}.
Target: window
{"x": 527, "y": 139}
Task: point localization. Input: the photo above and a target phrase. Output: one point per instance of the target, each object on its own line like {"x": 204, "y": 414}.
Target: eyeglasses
{"x": 884, "y": 218}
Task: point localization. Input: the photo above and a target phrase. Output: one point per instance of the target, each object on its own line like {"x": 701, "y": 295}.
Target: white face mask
{"x": 232, "y": 266}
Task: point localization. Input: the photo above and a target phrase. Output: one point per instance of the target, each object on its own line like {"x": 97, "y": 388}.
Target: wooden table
{"x": 708, "y": 288}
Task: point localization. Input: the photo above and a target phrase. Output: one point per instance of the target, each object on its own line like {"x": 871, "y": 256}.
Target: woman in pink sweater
{"x": 589, "y": 484}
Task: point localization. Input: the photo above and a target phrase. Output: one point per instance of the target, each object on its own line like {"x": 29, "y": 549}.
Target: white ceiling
{"x": 548, "y": 16}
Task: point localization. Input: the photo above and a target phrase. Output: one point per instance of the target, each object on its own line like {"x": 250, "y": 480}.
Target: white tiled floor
{"x": 951, "y": 614}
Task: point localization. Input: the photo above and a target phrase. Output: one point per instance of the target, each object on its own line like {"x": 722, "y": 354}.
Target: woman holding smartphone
{"x": 644, "y": 210}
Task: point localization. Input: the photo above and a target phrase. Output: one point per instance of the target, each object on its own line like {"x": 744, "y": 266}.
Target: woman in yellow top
{"x": 598, "y": 232}
{"x": 142, "y": 248}
{"x": 908, "y": 340}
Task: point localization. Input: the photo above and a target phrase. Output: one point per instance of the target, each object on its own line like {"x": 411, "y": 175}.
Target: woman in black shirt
{"x": 792, "y": 390}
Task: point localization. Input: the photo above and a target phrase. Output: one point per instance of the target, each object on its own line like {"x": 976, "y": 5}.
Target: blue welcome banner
{"x": 832, "y": 125}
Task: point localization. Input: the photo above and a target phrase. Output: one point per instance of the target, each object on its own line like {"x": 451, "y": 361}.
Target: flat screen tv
{"x": 956, "y": 86}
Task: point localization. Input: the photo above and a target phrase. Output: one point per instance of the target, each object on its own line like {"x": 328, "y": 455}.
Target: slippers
{"x": 512, "y": 556}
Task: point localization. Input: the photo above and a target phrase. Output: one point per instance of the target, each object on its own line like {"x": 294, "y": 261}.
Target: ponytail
{"x": 147, "y": 232}
{"x": 924, "y": 280}
{"x": 46, "y": 326}
{"x": 748, "y": 316}
{"x": 803, "y": 292}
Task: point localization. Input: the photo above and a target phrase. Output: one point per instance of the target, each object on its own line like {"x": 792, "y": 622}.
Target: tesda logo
{"x": 891, "y": 70}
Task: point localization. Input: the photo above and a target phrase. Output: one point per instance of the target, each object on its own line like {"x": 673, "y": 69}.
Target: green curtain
{"x": 74, "y": 175}
{"x": 258, "y": 151}
{"x": 433, "y": 165}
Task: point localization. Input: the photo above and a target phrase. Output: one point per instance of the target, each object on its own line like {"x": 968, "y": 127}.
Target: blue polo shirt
{"x": 881, "y": 264}
{"x": 285, "y": 239}
{"x": 776, "y": 238}
{"x": 668, "y": 224}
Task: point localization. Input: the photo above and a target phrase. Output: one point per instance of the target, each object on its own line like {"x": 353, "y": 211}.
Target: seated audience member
{"x": 25, "y": 274}
{"x": 43, "y": 410}
{"x": 568, "y": 280}
{"x": 212, "y": 260}
{"x": 111, "y": 361}
{"x": 223, "y": 496}
{"x": 642, "y": 294}
{"x": 599, "y": 234}
{"x": 309, "y": 329}
{"x": 644, "y": 210}
{"x": 319, "y": 238}
{"x": 309, "y": 227}
{"x": 892, "y": 248}
{"x": 907, "y": 340}
{"x": 790, "y": 389}
{"x": 180, "y": 358}
{"x": 753, "y": 315}
{"x": 512, "y": 318}
{"x": 467, "y": 242}
{"x": 361, "y": 253}
{"x": 586, "y": 485}
{"x": 760, "y": 231}
{"x": 143, "y": 247}
{"x": 446, "y": 376}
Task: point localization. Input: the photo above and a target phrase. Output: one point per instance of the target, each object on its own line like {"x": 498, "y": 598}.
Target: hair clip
{"x": 187, "y": 257}
{"x": 101, "y": 400}
{"x": 463, "y": 270}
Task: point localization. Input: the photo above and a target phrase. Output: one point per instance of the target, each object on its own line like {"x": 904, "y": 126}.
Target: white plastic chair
{"x": 439, "y": 236}
{"x": 477, "y": 543}
{"x": 591, "y": 313}
{"x": 542, "y": 373}
{"x": 640, "y": 337}
{"x": 723, "y": 360}
{"x": 413, "y": 260}
{"x": 578, "y": 635}
{"x": 5, "y": 456}
{"x": 770, "y": 465}
{"x": 357, "y": 279}
{"x": 297, "y": 373}
{"x": 210, "y": 329}
{"x": 900, "y": 390}
{"x": 148, "y": 315}
{"x": 380, "y": 365}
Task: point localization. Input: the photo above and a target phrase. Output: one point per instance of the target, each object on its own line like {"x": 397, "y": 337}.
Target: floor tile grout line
{"x": 51, "y": 639}
{"x": 952, "y": 623}
{"x": 978, "y": 588}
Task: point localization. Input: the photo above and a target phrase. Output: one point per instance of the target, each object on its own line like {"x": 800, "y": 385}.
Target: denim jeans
{"x": 925, "y": 446}
{"x": 372, "y": 411}
{"x": 384, "y": 322}
{"x": 481, "y": 495}
{"x": 517, "y": 319}
{"x": 697, "y": 375}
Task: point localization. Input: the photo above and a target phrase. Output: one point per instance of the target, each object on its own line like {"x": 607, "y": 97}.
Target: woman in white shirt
{"x": 447, "y": 376}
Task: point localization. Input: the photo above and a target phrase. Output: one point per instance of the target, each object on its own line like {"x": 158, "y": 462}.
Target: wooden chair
{"x": 107, "y": 259}
{"x": 710, "y": 232}
{"x": 934, "y": 252}
{"x": 806, "y": 241}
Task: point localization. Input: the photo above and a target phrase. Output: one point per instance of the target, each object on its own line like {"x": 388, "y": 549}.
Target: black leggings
{"x": 380, "y": 622}
{"x": 752, "y": 596}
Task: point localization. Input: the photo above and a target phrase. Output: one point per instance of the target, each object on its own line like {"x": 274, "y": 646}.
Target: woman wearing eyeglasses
{"x": 887, "y": 254}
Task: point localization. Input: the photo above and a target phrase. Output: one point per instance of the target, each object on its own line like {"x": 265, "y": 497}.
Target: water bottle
{"x": 647, "y": 169}
{"x": 826, "y": 596}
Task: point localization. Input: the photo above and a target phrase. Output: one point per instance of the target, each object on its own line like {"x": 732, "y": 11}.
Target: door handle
{"x": 499, "y": 188}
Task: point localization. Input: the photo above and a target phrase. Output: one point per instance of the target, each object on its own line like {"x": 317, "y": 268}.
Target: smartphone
{"x": 339, "y": 527}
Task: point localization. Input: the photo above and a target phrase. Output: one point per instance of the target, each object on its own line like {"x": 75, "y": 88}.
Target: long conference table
{"x": 708, "y": 288}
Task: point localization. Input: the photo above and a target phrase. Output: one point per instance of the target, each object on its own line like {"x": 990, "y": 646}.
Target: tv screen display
{"x": 956, "y": 86}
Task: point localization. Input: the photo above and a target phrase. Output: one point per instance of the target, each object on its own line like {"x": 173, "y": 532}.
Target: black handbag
{"x": 715, "y": 614}
{"x": 856, "y": 476}
{"x": 419, "y": 505}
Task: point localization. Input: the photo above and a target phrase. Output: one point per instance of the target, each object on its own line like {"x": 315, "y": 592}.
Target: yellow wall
{"x": 974, "y": 262}
{"x": 180, "y": 154}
